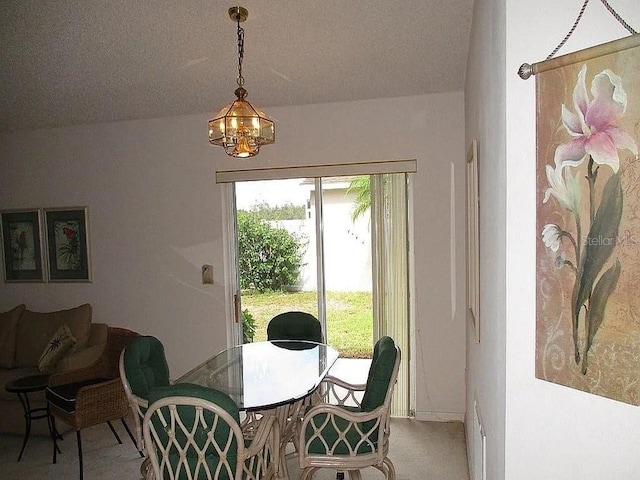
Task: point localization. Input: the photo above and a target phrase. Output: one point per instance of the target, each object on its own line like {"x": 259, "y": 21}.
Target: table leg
{"x": 51, "y": 423}
{"x": 27, "y": 418}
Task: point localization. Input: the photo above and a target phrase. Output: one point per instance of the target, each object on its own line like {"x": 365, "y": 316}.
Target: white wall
{"x": 550, "y": 431}
{"x": 156, "y": 217}
{"x": 485, "y": 120}
{"x": 154, "y": 213}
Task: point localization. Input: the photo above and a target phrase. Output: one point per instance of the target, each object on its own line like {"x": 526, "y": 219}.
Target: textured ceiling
{"x": 85, "y": 61}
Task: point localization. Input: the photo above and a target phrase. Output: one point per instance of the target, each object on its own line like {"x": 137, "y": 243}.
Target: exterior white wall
{"x": 347, "y": 245}
{"x": 538, "y": 429}
{"x": 156, "y": 217}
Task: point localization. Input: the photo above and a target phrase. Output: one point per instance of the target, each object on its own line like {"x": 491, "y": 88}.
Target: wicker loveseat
{"x": 24, "y": 335}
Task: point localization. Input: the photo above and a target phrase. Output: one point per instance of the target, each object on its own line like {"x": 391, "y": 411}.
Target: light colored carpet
{"x": 419, "y": 450}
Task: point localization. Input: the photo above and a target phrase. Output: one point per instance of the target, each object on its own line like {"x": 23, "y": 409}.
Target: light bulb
{"x": 243, "y": 149}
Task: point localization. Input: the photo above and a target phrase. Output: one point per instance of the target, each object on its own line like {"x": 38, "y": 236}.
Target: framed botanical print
{"x": 67, "y": 244}
{"x": 22, "y": 245}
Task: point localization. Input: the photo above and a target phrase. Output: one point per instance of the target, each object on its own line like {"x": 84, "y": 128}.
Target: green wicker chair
{"x": 193, "y": 432}
{"x": 295, "y": 326}
{"x": 143, "y": 367}
{"x": 349, "y": 431}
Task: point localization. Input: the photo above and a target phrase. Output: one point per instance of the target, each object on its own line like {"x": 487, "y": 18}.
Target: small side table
{"x": 22, "y": 387}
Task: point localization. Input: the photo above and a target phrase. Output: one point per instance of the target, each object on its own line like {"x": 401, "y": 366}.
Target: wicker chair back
{"x": 194, "y": 432}
{"x": 143, "y": 367}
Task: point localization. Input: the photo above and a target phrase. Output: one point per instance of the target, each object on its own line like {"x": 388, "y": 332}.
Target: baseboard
{"x": 440, "y": 416}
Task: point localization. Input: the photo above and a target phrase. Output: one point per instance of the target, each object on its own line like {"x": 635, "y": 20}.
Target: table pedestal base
{"x": 287, "y": 416}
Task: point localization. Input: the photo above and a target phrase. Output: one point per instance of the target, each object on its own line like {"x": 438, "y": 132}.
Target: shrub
{"x": 248, "y": 326}
{"x": 269, "y": 257}
{"x": 288, "y": 211}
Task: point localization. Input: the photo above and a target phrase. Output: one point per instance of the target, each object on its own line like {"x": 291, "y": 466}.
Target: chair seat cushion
{"x": 64, "y": 396}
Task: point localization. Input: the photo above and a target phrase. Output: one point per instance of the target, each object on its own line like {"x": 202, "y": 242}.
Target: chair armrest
{"x": 100, "y": 402}
{"x": 264, "y": 448}
{"x": 340, "y": 412}
{"x": 336, "y": 391}
{"x": 351, "y": 386}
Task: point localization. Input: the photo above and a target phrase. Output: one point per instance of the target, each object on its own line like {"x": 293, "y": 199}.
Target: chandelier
{"x": 240, "y": 127}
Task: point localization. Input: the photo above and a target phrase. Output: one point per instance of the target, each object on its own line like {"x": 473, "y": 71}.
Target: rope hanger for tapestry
{"x": 526, "y": 70}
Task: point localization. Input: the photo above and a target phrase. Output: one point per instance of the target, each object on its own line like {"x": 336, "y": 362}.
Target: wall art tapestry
{"x": 588, "y": 221}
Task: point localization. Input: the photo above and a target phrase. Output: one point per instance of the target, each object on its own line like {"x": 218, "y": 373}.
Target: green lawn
{"x": 349, "y": 317}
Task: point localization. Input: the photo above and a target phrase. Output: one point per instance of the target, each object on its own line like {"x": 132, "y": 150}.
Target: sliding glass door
{"x": 336, "y": 247}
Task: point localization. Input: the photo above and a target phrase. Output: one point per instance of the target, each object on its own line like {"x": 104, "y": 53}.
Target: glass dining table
{"x": 269, "y": 378}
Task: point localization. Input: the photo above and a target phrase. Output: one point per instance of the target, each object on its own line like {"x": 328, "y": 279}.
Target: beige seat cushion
{"x": 88, "y": 355}
{"x": 36, "y": 329}
{"x": 8, "y": 332}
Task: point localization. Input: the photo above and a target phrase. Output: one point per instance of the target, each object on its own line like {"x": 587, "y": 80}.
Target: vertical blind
{"x": 390, "y": 242}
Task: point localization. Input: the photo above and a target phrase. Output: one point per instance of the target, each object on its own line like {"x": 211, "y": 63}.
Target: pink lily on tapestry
{"x": 593, "y": 126}
{"x": 597, "y": 137}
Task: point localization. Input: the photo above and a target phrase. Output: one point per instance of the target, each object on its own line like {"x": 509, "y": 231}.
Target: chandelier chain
{"x": 611, "y": 10}
{"x": 240, "y": 54}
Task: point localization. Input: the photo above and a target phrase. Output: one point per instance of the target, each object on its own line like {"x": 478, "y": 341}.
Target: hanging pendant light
{"x": 240, "y": 127}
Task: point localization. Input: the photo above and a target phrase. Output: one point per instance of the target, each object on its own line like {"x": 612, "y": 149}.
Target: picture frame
{"x": 22, "y": 245}
{"x": 67, "y": 239}
{"x": 473, "y": 238}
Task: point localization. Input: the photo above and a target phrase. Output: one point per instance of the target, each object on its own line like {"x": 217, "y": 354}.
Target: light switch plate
{"x": 207, "y": 274}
